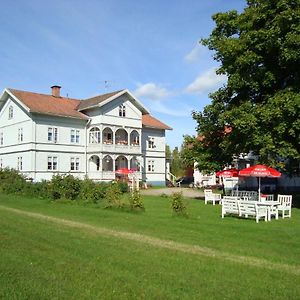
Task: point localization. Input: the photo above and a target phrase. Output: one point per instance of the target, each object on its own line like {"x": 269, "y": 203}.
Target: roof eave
{"x": 58, "y": 115}
{"x": 153, "y": 127}
{"x": 16, "y": 99}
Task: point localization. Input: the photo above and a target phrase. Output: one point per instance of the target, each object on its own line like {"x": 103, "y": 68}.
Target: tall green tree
{"x": 258, "y": 108}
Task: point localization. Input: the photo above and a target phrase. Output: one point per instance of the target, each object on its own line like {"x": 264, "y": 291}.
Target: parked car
{"x": 185, "y": 181}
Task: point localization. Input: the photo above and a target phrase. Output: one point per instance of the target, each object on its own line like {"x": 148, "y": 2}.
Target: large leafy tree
{"x": 259, "y": 107}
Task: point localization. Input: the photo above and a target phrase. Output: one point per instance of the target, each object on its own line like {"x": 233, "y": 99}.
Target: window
{"x": 151, "y": 165}
{"x": 20, "y": 135}
{"x": 74, "y": 165}
{"x": 95, "y": 135}
{"x": 1, "y": 138}
{"x": 151, "y": 143}
{"x": 75, "y": 136}
{"x": 10, "y": 112}
{"x": 52, "y": 163}
{"x": 20, "y": 163}
{"x": 1, "y": 163}
{"x": 122, "y": 110}
{"x": 52, "y": 134}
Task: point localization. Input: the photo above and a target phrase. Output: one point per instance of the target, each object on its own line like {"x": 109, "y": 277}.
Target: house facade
{"x": 42, "y": 135}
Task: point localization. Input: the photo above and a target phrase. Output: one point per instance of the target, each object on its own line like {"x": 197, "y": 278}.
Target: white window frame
{"x": 1, "y": 139}
{"x": 20, "y": 163}
{"x": 52, "y": 163}
{"x": 74, "y": 164}
{"x": 52, "y": 134}
{"x": 94, "y": 135}
{"x": 20, "y": 135}
{"x": 151, "y": 143}
{"x": 75, "y": 136}
{"x": 10, "y": 112}
{"x": 150, "y": 166}
{"x": 122, "y": 110}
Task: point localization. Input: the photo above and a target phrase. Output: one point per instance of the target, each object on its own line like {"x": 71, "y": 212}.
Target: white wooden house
{"x": 42, "y": 135}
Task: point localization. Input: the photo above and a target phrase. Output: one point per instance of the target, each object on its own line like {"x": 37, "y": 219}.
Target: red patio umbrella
{"x": 124, "y": 171}
{"x": 259, "y": 171}
{"x": 228, "y": 173}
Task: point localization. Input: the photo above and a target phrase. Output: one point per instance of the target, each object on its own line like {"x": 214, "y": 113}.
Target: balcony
{"x": 120, "y": 141}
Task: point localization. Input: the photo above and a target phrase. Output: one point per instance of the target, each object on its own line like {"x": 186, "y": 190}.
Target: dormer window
{"x": 122, "y": 110}
{"x": 10, "y": 112}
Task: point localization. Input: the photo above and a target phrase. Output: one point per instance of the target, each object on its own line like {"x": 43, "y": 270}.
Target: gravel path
{"x": 187, "y": 192}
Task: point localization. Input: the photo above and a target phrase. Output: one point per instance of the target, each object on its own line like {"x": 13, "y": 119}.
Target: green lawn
{"x": 96, "y": 257}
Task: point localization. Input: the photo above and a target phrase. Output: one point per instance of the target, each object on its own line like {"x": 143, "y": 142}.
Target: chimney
{"x": 56, "y": 91}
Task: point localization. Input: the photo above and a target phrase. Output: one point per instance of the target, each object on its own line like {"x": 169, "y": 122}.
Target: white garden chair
{"x": 285, "y": 205}
{"x": 209, "y": 196}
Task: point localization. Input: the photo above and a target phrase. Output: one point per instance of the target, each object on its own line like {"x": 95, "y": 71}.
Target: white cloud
{"x": 196, "y": 53}
{"x": 151, "y": 91}
{"x": 166, "y": 109}
{"x": 206, "y": 82}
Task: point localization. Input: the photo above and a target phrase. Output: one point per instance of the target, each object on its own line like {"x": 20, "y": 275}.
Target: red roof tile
{"x": 149, "y": 121}
{"x": 48, "y": 104}
{"x": 66, "y": 107}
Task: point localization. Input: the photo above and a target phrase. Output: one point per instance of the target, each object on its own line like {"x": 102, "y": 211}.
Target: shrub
{"x": 164, "y": 195}
{"x": 91, "y": 191}
{"x": 136, "y": 201}
{"x": 12, "y": 182}
{"x": 123, "y": 186}
{"x": 178, "y": 205}
{"x": 113, "y": 196}
{"x": 38, "y": 189}
{"x": 64, "y": 187}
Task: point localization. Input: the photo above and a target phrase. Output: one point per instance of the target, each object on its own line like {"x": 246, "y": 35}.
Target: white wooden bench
{"x": 230, "y": 206}
{"x": 252, "y": 209}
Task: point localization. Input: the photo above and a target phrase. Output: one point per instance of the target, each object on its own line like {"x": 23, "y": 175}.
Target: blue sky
{"x": 93, "y": 47}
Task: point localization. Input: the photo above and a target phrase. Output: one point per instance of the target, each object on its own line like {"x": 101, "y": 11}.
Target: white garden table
{"x": 271, "y": 207}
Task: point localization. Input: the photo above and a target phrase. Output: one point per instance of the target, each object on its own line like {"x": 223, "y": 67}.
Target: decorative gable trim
{"x": 26, "y": 108}
{"x": 115, "y": 96}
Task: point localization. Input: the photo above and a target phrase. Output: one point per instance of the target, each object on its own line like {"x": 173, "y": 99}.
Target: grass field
{"x": 67, "y": 251}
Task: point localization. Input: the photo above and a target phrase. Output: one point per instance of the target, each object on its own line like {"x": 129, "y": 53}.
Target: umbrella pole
{"x": 258, "y": 188}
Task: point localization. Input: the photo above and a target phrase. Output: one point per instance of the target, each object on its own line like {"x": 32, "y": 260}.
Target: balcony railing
{"x": 118, "y": 147}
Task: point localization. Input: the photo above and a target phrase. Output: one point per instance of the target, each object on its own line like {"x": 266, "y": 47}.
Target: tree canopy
{"x": 258, "y": 108}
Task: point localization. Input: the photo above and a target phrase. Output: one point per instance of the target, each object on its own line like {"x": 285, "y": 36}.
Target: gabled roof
{"x": 48, "y": 104}
{"x": 101, "y": 100}
{"x": 94, "y": 101}
{"x": 149, "y": 121}
{"x": 67, "y": 107}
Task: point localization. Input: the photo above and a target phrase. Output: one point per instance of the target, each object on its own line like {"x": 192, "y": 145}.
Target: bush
{"x": 113, "y": 196}
{"x": 178, "y": 205}
{"x": 91, "y": 191}
{"x": 37, "y": 189}
{"x": 136, "y": 201}
{"x": 123, "y": 186}
{"x": 64, "y": 187}
{"x": 12, "y": 182}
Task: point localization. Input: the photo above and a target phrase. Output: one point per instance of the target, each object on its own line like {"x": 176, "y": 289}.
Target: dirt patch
{"x": 186, "y": 192}
{"x": 166, "y": 244}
